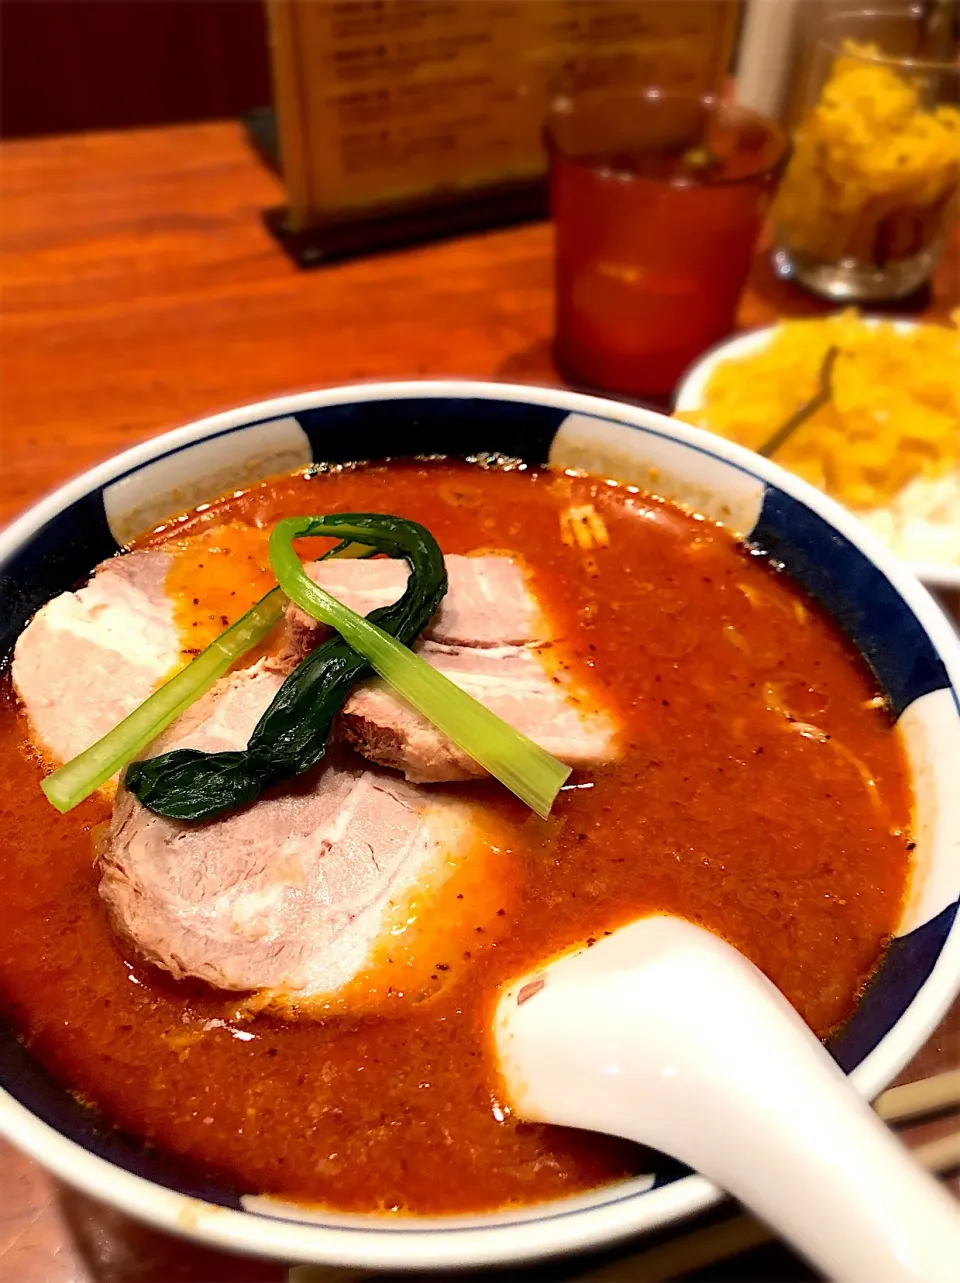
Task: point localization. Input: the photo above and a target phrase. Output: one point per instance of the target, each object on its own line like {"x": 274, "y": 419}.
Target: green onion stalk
{"x": 293, "y": 733}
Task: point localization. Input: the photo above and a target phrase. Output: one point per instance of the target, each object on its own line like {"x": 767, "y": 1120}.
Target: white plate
{"x": 689, "y": 397}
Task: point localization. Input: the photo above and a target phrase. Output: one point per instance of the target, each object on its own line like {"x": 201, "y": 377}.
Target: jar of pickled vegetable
{"x": 871, "y": 190}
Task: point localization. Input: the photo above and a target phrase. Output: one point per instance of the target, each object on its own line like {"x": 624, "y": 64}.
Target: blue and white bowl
{"x": 886, "y": 613}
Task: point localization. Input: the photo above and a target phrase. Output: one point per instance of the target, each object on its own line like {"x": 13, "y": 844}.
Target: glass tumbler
{"x": 867, "y": 202}
{"x": 657, "y": 200}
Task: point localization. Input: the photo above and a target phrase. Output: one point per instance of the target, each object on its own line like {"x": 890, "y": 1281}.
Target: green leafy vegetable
{"x": 83, "y": 774}
{"x": 292, "y": 734}
{"x": 526, "y": 769}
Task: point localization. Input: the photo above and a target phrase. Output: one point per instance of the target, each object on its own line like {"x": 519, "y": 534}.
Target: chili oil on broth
{"x": 720, "y": 809}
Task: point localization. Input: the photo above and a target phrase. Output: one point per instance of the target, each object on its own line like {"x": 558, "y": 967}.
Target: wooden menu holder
{"x": 403, "y": 120}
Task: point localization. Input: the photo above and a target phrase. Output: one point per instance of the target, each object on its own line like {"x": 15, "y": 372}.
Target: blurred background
{"x": 71, "y": 65}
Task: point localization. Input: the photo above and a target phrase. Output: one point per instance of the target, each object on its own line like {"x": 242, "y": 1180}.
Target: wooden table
{"x": 138, "y": 290}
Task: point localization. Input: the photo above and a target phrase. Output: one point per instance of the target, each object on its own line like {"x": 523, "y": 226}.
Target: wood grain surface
{"x": 139, "y": 290}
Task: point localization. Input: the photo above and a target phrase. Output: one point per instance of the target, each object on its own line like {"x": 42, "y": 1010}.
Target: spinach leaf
{"x": 292, "y": 735}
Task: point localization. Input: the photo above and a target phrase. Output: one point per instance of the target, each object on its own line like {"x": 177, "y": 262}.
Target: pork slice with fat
{"x": 510, "y": 681}
{"x": 490, "y": 638}
{"x": 487, "y": 601}
{"x": 88, "y": 658}
{"x": 288, "y": 895}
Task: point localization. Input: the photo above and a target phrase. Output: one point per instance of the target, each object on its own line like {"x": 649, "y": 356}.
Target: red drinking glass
{"x": 657, "y": 201}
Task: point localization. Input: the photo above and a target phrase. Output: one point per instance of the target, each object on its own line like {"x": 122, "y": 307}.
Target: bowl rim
{"x": 549, "y": 1229}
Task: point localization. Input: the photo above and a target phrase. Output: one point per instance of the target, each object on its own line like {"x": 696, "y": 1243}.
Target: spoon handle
{"x": 710, "y": 1063}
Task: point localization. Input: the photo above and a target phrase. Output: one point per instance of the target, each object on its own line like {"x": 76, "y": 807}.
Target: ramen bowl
{"x": 886, "y": 614}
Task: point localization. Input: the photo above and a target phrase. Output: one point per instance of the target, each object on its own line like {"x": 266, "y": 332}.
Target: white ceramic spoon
{"x": 664, "y": 1034}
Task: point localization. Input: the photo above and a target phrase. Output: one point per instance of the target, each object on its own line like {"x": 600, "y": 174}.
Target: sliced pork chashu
{"x": 288, "y": 895}
{"x": 487, "y": 602}
{"x": 490, "y": 638}
{"x": 88, "y": 658}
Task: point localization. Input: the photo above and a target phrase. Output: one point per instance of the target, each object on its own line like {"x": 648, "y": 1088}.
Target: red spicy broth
{"x": 719, "y": 810}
